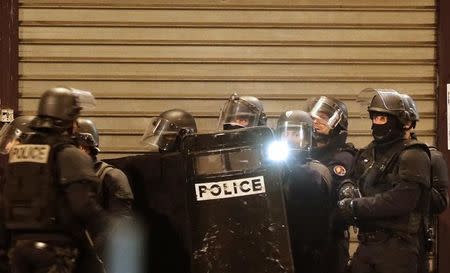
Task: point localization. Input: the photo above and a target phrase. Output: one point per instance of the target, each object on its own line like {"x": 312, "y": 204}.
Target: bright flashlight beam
{"x": 278, "y": 151}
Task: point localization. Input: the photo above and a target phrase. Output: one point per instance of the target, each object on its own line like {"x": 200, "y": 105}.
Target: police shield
{"x": 236, "y": 215}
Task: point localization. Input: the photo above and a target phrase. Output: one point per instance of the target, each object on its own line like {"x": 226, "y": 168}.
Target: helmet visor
{"x": 9, "y": 136}
{"x": 297, "y": 136}
{"x": 160, "y": 133}
{"x": 379, "y": 100}
{"x": 238, "y": 113}
{"x": 84, "y": 99}
{"x": 328, "y": 112}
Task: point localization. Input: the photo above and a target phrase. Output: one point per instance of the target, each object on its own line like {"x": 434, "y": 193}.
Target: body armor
{"x": 31, "y": 191}
{"x": 376, "y": 176}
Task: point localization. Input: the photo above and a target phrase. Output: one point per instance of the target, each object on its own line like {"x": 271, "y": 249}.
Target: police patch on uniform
{"x": 339, "y": 170}
{"x": 35, "y": 153}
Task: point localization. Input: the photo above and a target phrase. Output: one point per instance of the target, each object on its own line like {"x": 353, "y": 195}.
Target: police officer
{"x": 242, "y": 112}
{"x": 164, "y": 134}
{"x": 166, "y": 130}
{"x": 116, "y": 197}
{"x": 307, "y": 186}
{"x": 114, "y": 190}
{"x": 439, "y": 187}
{"x": 393, "y": 175}
{"x": 330, "y": 117}
{"x": 50, "y": 188}
{"x": 10, "y": 135}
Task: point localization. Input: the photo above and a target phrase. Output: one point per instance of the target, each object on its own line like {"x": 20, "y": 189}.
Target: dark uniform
{"x": 155, "y": 192}
{"x": 438, "y": 195}
{"x": 438, "y": 203}
{"x": 307, "y": 187}
{"x": 339, "y": 161}
{"x": 114, "y": 195}
{"x": 393, "y": 175}
{"x": 337, "y": 156}
{"x": 50, "y": 205}
{"x": 439, "y": 191}
{"x": 114, "y": 191}
{"x": 10, "y": 133}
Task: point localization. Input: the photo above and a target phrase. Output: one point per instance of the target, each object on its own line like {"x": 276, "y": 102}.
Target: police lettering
{"x": 230, "y": 188}
{"x": 29, "y": 153}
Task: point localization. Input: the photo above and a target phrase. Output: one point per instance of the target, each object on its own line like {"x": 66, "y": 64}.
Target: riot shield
{"x": 235, "y": 214}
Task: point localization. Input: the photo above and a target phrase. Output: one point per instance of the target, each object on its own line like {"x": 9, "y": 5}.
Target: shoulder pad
{"x": 322, "y": 170}
{"x": 417, "y": 144}
{"x": 103, "y": 169}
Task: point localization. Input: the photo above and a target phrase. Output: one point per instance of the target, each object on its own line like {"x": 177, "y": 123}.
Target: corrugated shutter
{"x": 141, "y": 57}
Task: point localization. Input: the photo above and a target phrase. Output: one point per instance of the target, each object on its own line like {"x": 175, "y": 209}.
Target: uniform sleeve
{"x": 341, "y": 165}
{"x": 439, "y": 191}
{"x": 117, "y": 192}
{"x": 340, "y": 168}
{"x": 413, "y": 177}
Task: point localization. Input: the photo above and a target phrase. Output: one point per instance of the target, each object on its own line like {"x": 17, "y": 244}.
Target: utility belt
{"x": 375, "y": 236}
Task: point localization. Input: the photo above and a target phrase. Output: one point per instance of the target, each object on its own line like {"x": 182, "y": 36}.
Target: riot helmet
{"x": 330, "y": 120}
{"x": 60, "y": 106}
{"x": 14, "y": 132}
{"x": 241, "y": 112}
{"x": 86, "y": 135}
{"x": 165, "y": 130}
{"x": 411, "y": 108}
{"x": 295, "y": 128}
{"x": 332, "y": 111}
{"x": 389, "y": 103}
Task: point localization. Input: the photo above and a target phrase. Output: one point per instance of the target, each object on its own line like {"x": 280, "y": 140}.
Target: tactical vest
{"x": 376, "y": 177}
{"x": 30, "y": 193}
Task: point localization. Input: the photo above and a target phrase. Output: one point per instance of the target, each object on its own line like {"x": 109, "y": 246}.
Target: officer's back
{"x": 49, "y": 202}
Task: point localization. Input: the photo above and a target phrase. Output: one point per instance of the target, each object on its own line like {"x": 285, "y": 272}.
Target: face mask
{"x": 389, "y": 131}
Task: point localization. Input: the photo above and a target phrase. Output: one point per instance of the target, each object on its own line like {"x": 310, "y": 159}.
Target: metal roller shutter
{"x": 142, "y": 57}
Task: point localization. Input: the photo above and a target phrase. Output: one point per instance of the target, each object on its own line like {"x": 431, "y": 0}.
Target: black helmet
{"x": 332, "y": 110}
{"x": 388, "y": 101}
{"x": 242, "y": 112}
{"x": 295, "y": 127}
{"x": 164, "y": 130}
{"x": 60, "y": 106}
{"x": 17, "y": 130}
{"x": 411, "y": 107}
{"x": 87, "y": 134}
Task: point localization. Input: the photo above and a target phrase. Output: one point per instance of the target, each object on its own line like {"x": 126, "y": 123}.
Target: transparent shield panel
{"x": 243, "y": 160}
